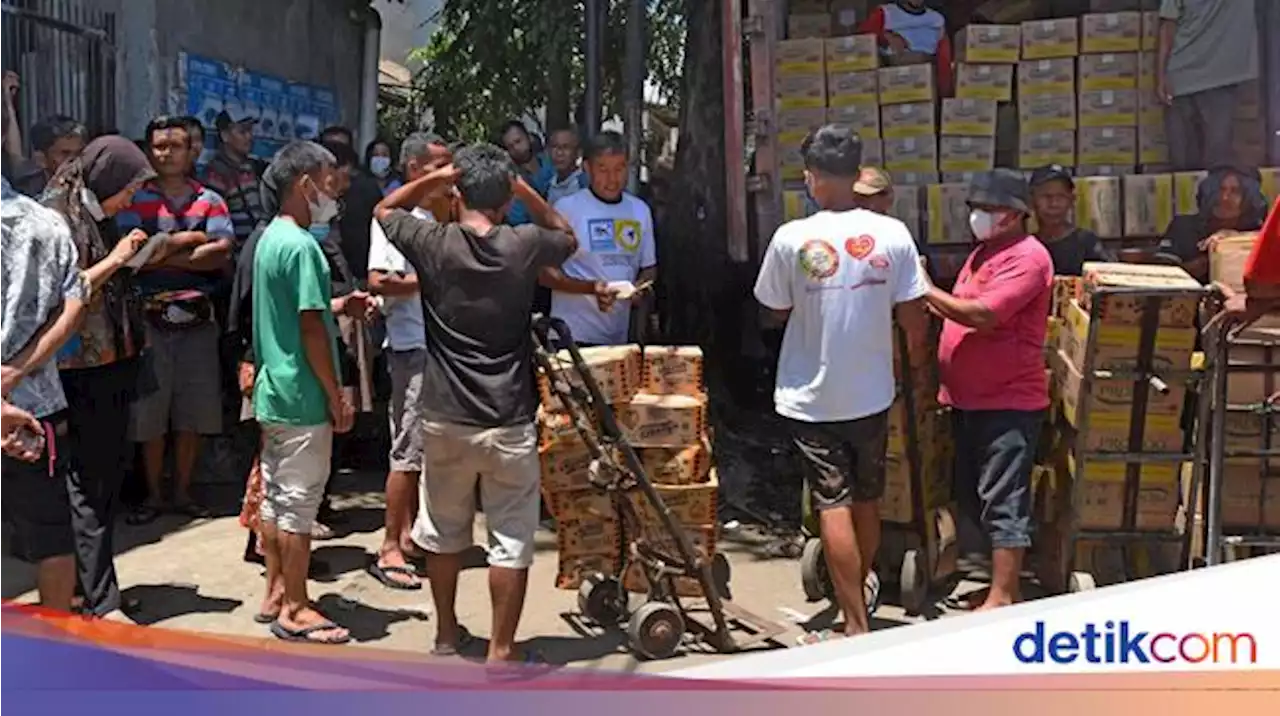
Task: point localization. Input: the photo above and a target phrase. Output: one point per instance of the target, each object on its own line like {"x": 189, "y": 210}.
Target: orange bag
{"x": 1262, "y": 269}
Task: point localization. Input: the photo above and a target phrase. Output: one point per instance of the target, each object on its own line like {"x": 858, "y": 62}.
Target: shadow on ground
{"x": 365, "y": 623}
{"x": 160, "y": 602}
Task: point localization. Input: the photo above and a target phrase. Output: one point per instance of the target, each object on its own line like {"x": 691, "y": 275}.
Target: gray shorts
{"x": 406, "y": 409}
{"x": 295, "y": 470}
{"x": 504, "y": 461}
{"x": 188, "y": 397}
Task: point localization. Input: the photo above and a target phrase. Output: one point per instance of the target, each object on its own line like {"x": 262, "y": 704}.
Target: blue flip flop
{"x": 303, "y": 635}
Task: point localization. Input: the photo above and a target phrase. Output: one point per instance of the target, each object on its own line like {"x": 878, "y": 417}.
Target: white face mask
{"x": 380, "y": 166}
{"x": 985, "y": 224}
{"x": 323, "y": 208}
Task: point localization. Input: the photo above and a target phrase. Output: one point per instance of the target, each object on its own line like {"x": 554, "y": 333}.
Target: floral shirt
{"x": 40, "y": 266}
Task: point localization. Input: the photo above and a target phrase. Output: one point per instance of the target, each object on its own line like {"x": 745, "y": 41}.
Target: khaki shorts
{"x": 504, "y": 461}
{"x": 406, "y": 408}
{"x": 295, "y": 470}
{"x": 188, "y": 397}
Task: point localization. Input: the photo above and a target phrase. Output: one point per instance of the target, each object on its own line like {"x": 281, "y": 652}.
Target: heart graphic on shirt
{"x": 861, "y": 247}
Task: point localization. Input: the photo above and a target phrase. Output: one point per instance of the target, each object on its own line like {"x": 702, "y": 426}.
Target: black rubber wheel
{"x": 655, "y": 630}
{"x": 721, "y": 572}
{"x": 1081, "y": 582}
{"x": 813, "y": 572}
{"x": 913, "y": 580}
{"x": 602, "y": 600}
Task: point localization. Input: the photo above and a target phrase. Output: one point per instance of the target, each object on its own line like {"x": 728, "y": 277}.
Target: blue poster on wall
{"x": 285, "y": 110}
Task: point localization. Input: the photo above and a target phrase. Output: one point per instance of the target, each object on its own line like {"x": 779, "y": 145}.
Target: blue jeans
{"x": 995, "y": 454}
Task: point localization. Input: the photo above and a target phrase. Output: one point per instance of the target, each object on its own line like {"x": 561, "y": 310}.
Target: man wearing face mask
{"x": 991, "y": 370}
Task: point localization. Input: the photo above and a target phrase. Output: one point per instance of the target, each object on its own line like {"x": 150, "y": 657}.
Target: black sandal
{"x": 383, "y": 574}
{"x": 303, "y": 635}
{"x": 465, "y": 639}
{"x": 142, "y": 515}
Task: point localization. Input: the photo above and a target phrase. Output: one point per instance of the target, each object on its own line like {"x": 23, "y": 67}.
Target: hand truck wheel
{"x": 721, "y": 572}
{"x": 1081, "y": 582}
{"x": 655, "y": 630}
{"x": 913, "y": 580}
{"x": 602, "y": 600}
{"x": 813, "y": 572}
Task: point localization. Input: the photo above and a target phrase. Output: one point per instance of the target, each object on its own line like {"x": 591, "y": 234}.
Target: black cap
{"x": 225, "y": 120}
{"x": 1004, "y": 188}
{"x": 1053, "y": 172}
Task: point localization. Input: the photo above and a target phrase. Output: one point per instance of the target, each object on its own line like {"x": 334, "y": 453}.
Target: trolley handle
{"x": 1157, "y": 384}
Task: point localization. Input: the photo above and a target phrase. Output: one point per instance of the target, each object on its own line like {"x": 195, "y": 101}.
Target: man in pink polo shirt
{"x": 991, "y": 366}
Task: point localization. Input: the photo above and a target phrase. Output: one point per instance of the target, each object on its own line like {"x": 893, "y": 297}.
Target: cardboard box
{"x": 1109, "y": 71}
{"x": 1038, "y": 149}
{"x": 574, "y": 569}
{"x": 1105, "y": 170}
{"x": 1120, "y": 309}
{"x": 1047, "y": 113}
{"x": 915, "y": 179}
{"x": 1251, "y": 388}
{"x": 1153, "y": 145}
{"x": 853, "y": 53}
{"x": 1270, "y": 182}
{"x": 1107, "y": 146}
{"x": 616, "y": 370}
{"x": 914, "y": 119}
{"x": 968, "y": 117}
{"x": 948, "y": 213}
{"x": 993, "y": 44}
{"x": 1102, "y": 506}
{"x": 897, "y": 504}
{"x": 808, "y": 25}
{"x": 1227, "y": 259}
{"x": 1148, "y": 204}
{"x": 1118, "y": 343}
{"x": 853, "y": 88}
{"x": 1049, "y": 76}
{"x": 597, "y": 536}
{"x": 907, "y": 83}
{"x": 565, "y": 466}
{"x": 910, "y": 154}
{"x": 1108, "y": 108}
{"x": 690, "y": 504}
{"x": 1045, "y": 39}
{"x": 966, "y": 154}
{"x": 1098, "y": 205}
{"x": 790, "y": 160}
{"x": 1244, "y": 504}
{"x": 932, "y": 426}
{"x": 1150, "y": 30}
{"x": 677, "y": 466}
{"x": 846, "y": 15}
{"x": 1111, "y": 32}
{"x": 704, "y": 545}
{"x": 664, "y": 420}
{"x": 1185, "y": 186}
{"x": 793, "y": 125}
{"x": 1146, "y": 72}
{"x": 798, "y": 57}
{"x": 793, "y": 205}
{"x": 1150, "y": 111}
{"x": 990, "y": 82}
{"x": 1248, "y": 431}
{"x": 588, "y": 505}
{"x": 672, "y": 370}
{"x": 863, "y": 119}
{"x": 906, "y": 207}
{"x": 872, "y": 153}
{"x": 800, "y": 91}
{"x": 1111, "y": 411}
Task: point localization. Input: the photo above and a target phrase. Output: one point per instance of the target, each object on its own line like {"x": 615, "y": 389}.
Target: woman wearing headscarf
{"x": 1229, "y": 200}
{"x": 379, "y": 159}
{"x": 99, "y": 365}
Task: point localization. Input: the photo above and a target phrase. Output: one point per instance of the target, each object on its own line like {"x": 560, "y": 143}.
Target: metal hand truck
{"x": 1145, "y": 378}
{"x": 664, "y": 552}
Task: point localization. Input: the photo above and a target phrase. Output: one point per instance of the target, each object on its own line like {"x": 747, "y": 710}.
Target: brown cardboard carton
{"x": 1150, "y": 30}
{"x": 1098, "y": 205}
{"x": 672, "y": 370}
{"x": 1122, "y": 309}
{"x": 1108, "y": 108}
{"x": 990, "y": 82}
{"x": 1046, "y": 39}
{"x": 633, "y": 580}
{"x": 597, "y": 536}
{"x": 790, "y": 160}
{"x": 1244, "y": 504}
{"x": 1249, "y": 431}
{"x": 1270, "y": 183}
{"x": 1185, "y": 186}
{"x": 795, "y": 124}
{"x": 664, "y": 420}
{"x": 873, "y": 153}
{"x": 1146, "y": 72}
{"x": 1105, "y": 170}
{"x": 948, "y": 213}
{"x": 1047, "y": 113}
{"x": 677, "y": 466}
{"x": 574, "y": 569}
{"x": 906, "y": 207}
{"x": 913, "y": 119}
{"x": 1252, "y": 388}
{"x": 853, "y": 88}
{"x": 896, "y": 505}
{"x": 853, "y": 53}
{"x": 793, "y": 204}
{"x": 1065, "y": 290}
{"x": 1111, "y": 411}
{"x": 993, "y": 44}
{"x": 800, "y": 91}
{"x": 1038, "y": 149}
{"x": 966, "y": 154}
{"x": 1104, "y": 490}
{"x": 810, "y": 25}
{"x": 1101, "y": 146}
{"x": 1048, "y": 76}
{"x": 846, "y": 15}
{"x": 914, "y": 179}
{"x": 1111, "y": 32}
{"x": 616, "y": 370}
{"x": 931, "y": 428}
{"x": 907, "y": 83}
{"x": 565, "y": 466}
{"x": 1109, "y": 71}
{"x": 1227, "y": 259}
{"x": 864, "y": 119}
{"x": 589, "y": 505}
{"x": 690, "y": 504}
{"x": 968, "y": 117}
{"x": 798, "y": 57}
{"x": 1148, "y": 204}
{"x": 1153, "y": 145}
{"x": 910, "y": 154}
{"x": 1118, "y": 343}
{"x": 1150, "y": 111}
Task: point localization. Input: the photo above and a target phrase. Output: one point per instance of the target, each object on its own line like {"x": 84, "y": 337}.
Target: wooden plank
{"x": 735, "y": 180}
{"x": 768, "y": 203}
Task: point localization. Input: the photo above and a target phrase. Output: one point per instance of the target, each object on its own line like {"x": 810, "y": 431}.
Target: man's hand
{"x": 605, "y": 297}
{"x": 128, "y": 246}
{"x": 341, "y": 413}
{"x": 16, "y": 422}
{"x": 897, "y": 43}
{"x": 1163, "y": 95}
{"x": 358, "y": 305}
{"x": 1208, "y": 245}
{"x": 9, "y": 379}
{"x": 11, "y": 84}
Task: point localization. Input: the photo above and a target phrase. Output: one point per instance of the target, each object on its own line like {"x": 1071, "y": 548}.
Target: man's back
{"x": 1215, "y": 44}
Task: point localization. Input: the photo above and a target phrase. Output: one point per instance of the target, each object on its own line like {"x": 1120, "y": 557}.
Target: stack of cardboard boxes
{"x": 933, "y": 435}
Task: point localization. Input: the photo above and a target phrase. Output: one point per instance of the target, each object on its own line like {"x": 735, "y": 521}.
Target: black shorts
{"x": 995, "y": 454}
{"x": 844, "y": 461}
{"x": 35, "y": 505}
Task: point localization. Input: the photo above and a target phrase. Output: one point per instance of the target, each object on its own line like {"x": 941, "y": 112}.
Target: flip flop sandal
{"x": 194, "y": 510}
{"x": 966, "y": 602}
{"x": 818, "y": 637}
{"x": 303, "y": 635}
{"x": 871, "y": 592}
{"x": 530, "y": 664}
{"x": 265, "y": 618}
{"x": 142, "y": 515}
{"x": 465, "y": 639}
{"x": 383, "y": 574}
{"x": 321, "y": 531}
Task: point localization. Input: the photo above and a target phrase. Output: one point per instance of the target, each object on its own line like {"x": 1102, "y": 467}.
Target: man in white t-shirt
{"x": 616, "y": 249}
{"x": 393, "y": 279}
{"x": 837, "y": 278}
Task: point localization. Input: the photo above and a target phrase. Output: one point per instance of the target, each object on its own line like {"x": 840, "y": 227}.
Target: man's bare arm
{"x": 542, "y": 213}
{"x": 966, "y": 312}
{"x": 415, "y": 192}
{"x": 387, "y": 283}
{"x": 913, "y": 316}
{"x": 318, "y": 347}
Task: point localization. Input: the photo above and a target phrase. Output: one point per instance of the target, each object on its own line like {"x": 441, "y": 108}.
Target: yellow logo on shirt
{"x": 626, "y": 234}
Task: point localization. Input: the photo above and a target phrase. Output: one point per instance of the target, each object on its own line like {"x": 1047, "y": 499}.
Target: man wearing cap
{"x": 874, "y": 190}
{"x": 991, "y": 369}
{"x": 233, "y": 174}
{"x": 1053, "y": 194}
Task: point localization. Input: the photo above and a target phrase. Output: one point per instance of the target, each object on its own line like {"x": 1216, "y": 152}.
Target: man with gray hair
{"x": 393, "y": 279}
{"x": 297, "y": 397}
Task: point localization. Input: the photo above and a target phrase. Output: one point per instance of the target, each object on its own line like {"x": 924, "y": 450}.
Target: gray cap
{"x": 1004, "y": 188}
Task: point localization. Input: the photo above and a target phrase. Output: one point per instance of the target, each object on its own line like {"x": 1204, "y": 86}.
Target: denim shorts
{"x": 995, "y": 454}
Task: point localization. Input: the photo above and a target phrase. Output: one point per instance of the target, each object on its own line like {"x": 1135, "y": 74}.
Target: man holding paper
{"x": 616, "y": 260}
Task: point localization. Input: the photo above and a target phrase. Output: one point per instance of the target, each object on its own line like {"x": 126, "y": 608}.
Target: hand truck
{"x": 664, "y": 552}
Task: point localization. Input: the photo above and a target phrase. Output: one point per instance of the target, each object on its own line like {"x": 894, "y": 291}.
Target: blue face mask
{"x": 320, "y": 231}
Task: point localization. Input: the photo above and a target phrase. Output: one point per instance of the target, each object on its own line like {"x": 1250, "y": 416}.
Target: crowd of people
{"x": 153, "y": 299}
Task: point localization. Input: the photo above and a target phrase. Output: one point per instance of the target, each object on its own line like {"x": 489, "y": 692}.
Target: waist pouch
{"x": 178, "y": 310}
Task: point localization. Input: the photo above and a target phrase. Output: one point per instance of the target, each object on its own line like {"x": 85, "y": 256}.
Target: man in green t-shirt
{"x": 297, "y": 397}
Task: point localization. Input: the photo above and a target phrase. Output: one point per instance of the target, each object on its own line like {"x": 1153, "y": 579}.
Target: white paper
{"x": 624, "y": 289}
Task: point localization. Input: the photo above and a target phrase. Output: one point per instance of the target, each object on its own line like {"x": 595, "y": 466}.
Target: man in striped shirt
{"x": 182, "y": 331}
{"x": 234, "y": 176}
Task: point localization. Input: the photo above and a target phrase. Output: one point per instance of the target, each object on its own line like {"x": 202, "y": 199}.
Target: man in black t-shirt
{"x": 1053, "y": 196}
{"x": 477, "y": 278}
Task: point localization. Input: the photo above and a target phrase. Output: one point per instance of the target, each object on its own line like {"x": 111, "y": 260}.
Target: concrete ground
{"x": 189, "y": 575}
